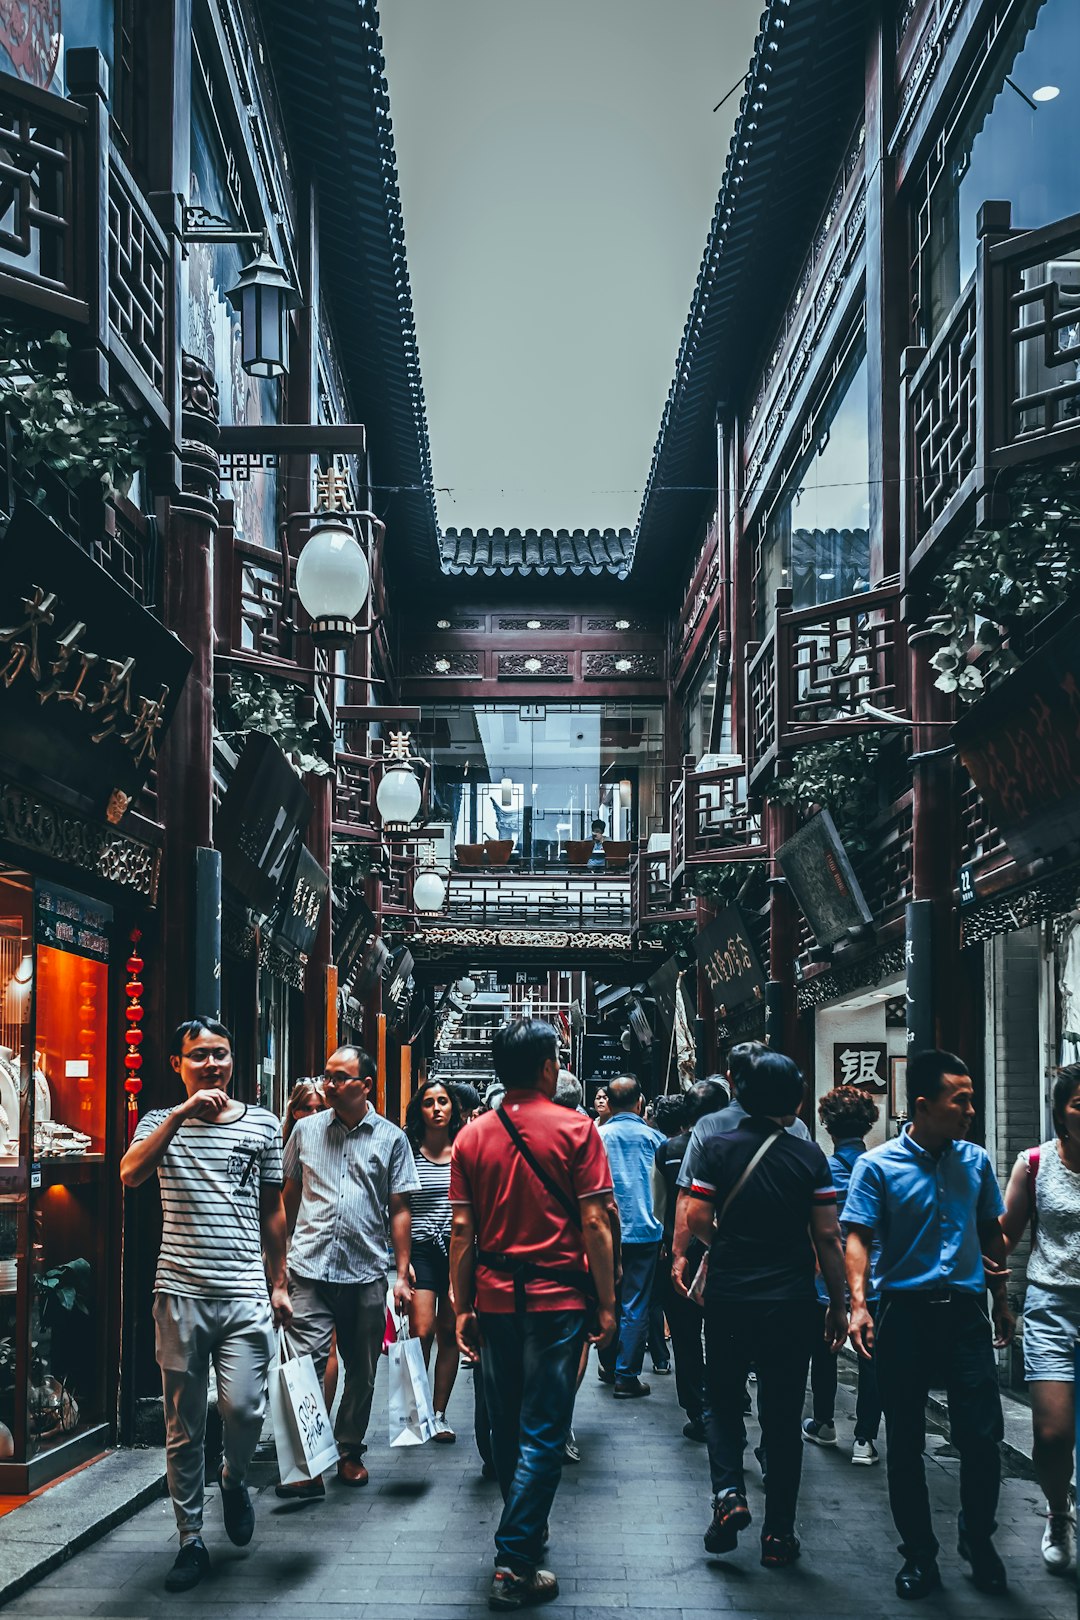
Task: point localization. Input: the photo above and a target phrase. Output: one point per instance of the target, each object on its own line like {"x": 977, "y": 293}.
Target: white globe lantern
{"x": 332, "y": 582}
{"x": 429, "y": 890}
{"x": 398, "y": 796}
{"x": 466, "y": 988}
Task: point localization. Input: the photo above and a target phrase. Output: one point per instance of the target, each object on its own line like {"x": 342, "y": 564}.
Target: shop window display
{"x": 58, "y": 1123}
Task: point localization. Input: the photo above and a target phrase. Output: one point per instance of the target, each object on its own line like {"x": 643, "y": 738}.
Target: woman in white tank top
{"x": 1044, "y": 1191}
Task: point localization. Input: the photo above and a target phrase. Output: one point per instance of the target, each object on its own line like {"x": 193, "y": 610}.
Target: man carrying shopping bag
{"x": 530, "y": 1253}
{"x": 302, "y": 1434}
{"x": 348, "y": 1176}
{"x": 411, "y": 1413}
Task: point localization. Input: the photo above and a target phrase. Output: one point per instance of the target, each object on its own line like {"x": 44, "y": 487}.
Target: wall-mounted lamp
{"x": 263, "y": 296}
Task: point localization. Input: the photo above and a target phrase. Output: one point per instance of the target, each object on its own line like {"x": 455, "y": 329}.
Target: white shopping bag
{"x": 302, "y": 1432}
{"x": 412, "y": 1417}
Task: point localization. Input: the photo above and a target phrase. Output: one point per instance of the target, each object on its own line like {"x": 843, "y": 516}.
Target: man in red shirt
{"x": 530, "y": 1254}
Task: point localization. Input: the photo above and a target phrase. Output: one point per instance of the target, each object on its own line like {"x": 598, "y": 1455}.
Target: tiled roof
{"x": 537, "y": 551}
{"x": 805, "y": 84}
{"x": 328, "y": 63}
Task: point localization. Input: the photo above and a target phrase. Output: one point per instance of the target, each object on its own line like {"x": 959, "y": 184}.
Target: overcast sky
{"x": 559, "y": 162}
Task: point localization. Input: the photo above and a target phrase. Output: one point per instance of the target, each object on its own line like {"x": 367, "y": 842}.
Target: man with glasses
{"x": 218, "y": 1163}
{"x": 348, "y": 1176}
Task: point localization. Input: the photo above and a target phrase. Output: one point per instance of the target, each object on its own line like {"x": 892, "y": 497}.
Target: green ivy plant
{"x": 720, "y": 882}
{"x": 1000, "y": 580}
{"x": 258, "y": 703}
{"x": 351, "y": 859}
{"x": 838, "y": 776}
{"x": 82, "y": 441}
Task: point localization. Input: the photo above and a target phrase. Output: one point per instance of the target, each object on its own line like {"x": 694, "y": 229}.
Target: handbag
{"x": 696, "y": 1291}
{"x": 412, "y": 1416}
{"x": 302, "y": 1433}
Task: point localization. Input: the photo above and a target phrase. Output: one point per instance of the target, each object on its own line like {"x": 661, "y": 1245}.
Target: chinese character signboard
{"x": 299, "y": 921}
{"x": 729, "y": 962}
{"x": 1021, "y": 747}
{"x": 863, "y": 1064}
{"x": 88, "y": 679}
{"x": 70, "y": 922}
{"x": 817, "y": 867}
{"x": 260, "y": 824}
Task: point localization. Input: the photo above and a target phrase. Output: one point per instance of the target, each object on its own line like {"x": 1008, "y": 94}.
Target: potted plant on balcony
{"x": 1001, "y": 581}
{"x": 52, "y": 432}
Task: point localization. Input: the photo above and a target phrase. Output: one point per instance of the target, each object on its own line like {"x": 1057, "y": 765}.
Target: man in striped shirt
{"x": 348, "y": 1176}
{"x": 218, "y": 1163}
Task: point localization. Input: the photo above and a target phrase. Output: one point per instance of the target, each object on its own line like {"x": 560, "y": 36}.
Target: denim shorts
{"x": 1051, "y": 1329}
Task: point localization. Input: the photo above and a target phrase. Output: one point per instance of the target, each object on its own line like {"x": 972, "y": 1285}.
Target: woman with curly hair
{"x": 432, "y": 1120}
{"x": 848, "y": 1115}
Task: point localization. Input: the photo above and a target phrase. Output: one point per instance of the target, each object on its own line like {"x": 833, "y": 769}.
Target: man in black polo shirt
{"x": 764, "y": 1200}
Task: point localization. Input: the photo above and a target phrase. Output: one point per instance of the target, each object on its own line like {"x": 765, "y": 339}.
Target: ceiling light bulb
{"x": 1046, "y": 92}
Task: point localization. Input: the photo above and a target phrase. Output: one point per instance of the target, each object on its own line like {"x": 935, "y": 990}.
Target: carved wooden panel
{"x": 533, "y": 666}
{"x": 544, "y": 622}
{"x": 451, "y": 665}
{"x": 605, "y": 665}
{"x": 40, "y": 160}
{"x": 139, "y": 275}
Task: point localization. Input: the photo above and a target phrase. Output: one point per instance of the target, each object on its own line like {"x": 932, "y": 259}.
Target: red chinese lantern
{"x": 133, "y": 1035}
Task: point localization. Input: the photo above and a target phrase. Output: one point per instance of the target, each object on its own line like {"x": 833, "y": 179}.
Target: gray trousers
{"x": 238, "y": 1336}
{"x": 358, "y": 1312}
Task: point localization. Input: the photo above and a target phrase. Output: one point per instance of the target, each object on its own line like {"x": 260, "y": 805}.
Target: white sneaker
{"x": 1059, "y": 1542}
{"x": 819, "y": 1434}
{"x": 442, "y": 1430}
{"x": 864, "y": 1452}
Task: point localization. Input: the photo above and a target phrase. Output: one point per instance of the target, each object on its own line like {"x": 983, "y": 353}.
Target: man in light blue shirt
{"x": 931, "y": 1200}
{"x": 631, "y": 1149}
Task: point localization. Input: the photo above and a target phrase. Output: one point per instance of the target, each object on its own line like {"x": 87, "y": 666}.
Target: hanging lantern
{"x": 133, "y": 1035}
{"x": 264, "y": 294}
{"x": 398, "y": 796}
{"x": 466, "y": 988}
{"x": 429, "y": 890}
{"x": 332, "y": 581}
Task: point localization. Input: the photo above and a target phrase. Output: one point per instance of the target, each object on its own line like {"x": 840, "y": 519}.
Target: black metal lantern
{"x": 263, "y": 297}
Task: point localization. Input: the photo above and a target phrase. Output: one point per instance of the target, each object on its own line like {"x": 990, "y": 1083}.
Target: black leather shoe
{"x": 987, "y": 1571}
{"x": 918, "y": 1578}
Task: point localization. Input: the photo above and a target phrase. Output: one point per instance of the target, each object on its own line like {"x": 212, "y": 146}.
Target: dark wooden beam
{"x": 304, "y": 439}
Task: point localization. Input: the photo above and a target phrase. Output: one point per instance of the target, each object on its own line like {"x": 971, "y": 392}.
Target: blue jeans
{"x": 529, "y": 1366}
{"x": 626, "y": 1355}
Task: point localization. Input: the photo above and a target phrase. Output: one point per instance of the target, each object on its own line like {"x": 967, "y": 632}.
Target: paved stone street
{"x": 626, "y": 1534}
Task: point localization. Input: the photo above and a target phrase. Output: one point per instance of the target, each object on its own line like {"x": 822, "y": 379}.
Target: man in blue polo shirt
{"x": 931, "y": 1200}
{"x": 631, "y": 1149}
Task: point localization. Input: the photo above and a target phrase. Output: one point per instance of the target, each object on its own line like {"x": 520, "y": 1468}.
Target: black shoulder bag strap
{"x": 566, "y": 1204}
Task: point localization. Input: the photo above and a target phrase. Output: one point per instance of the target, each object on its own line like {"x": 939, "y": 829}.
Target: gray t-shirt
{"x": 211, "y": 1178}
{"x": 724, "y": 1120}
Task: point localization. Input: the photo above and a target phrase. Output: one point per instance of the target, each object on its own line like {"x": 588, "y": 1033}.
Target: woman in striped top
{"x": 432, "y": 1120}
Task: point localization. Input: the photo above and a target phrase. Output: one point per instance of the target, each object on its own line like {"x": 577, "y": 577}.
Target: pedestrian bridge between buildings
{"x": 581, "y": 901}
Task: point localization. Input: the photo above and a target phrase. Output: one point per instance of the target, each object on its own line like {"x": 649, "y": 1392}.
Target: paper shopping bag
{"x": 302, "y": 1432}
{"x": 412, "y": 1417}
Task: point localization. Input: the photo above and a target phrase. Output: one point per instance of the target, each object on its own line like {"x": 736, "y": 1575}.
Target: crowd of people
{"x": 706, "y": 1230}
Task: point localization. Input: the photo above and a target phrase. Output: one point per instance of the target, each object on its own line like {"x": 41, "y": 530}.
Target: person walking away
{"x": 684, "y": 1315}
{"x": 218, "y": 1164}
{"x": 668, "y": 1115}
{"x": 349, "y": 1174}
{"x": 848, "y": 1116}
{"x": 1044, "y": 1192}
{"x": 529, "y": 1187}
{"x": 631, "y": 1147}
{"x": 763, "y": 1200}
{"x": 931, "y": 1199}
{"x": 432, "y": 1120}
{"x": 715, "y": 1122}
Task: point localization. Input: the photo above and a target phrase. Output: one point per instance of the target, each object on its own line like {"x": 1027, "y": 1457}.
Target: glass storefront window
{"x": 1015, "y": 143}
{"x": 498, "y": 774}
{"x": 817, "y": 538}
{"x": 698, "y": 708}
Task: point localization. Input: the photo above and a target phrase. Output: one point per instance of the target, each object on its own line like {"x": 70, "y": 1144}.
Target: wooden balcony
{"x": 79, "y": 243}
{"x": 585, "y": 902}
{"x": 652, "y": 896}
{"x": 354, "y": 809}
{"x": 997, "y": 391}
{"x": 808, "y": 680}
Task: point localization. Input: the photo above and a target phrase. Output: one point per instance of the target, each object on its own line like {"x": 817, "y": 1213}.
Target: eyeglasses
{"x": 334, "y": 1077}
{"x": 208, "y": 1054}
